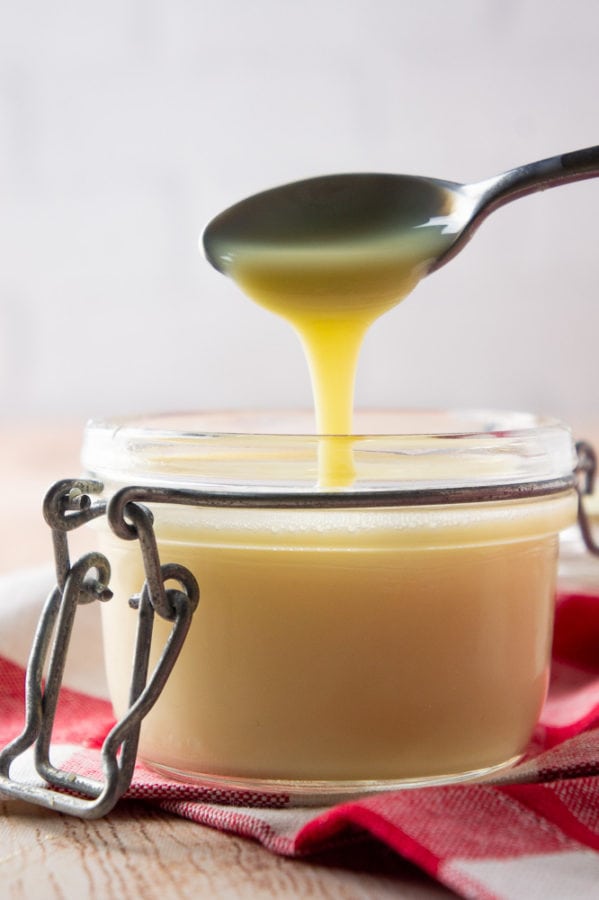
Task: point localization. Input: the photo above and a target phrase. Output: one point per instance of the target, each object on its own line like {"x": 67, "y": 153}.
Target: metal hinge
{"x": 68, "y": 505}
{"x": 586, "y": 471}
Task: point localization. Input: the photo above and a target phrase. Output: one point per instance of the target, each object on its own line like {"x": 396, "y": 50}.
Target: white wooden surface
{"x": 140, "y": 852}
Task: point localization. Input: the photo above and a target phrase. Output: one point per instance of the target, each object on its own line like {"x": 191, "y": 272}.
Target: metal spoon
{"x": 357, "y": 210}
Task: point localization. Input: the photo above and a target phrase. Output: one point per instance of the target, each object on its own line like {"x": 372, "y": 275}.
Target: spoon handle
{"x": 538, "y": 176}
{"x": 487, "y": 196}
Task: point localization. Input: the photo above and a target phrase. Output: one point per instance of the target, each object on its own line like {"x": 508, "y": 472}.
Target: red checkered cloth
{"x": 531, "y": 833}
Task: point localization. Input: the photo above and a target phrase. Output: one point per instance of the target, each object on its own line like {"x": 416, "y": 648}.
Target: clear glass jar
{"x": 393, "y": 631}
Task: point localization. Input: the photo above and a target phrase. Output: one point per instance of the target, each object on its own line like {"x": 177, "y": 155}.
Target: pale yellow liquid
{"x": 331, "y": 297}
{"x": 350, "y": 645}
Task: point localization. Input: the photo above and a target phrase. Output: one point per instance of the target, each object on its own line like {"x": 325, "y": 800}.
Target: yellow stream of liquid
{"x": 331, "y": 297}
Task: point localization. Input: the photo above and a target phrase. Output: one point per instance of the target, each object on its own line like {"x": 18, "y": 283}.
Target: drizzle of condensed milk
{"x": 331, "y": 269}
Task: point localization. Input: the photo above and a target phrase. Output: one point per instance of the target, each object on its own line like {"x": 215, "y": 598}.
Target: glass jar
{"x": 395, "y": 630}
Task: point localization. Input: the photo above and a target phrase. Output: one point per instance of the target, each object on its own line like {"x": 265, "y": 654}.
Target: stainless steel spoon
{"x": 353, "y": 210}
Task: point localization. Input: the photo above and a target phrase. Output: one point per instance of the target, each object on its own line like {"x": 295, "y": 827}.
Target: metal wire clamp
{"x": 69, "y": 504}
{"x": 586, "y": 472}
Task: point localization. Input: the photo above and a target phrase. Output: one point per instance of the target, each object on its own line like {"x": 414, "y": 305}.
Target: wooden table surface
{"x": 138, "y": 850}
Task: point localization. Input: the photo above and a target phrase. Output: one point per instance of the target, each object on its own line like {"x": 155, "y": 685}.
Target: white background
{"x": 126, "y": 125}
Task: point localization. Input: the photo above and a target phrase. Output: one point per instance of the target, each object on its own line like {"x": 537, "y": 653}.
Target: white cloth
{"x": 22, "y": 596}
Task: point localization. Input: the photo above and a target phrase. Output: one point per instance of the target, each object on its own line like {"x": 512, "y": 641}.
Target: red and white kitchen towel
{"x": 532, "y": 833}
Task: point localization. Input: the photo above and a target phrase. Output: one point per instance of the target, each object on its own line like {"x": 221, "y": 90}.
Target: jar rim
{"x": 298, "y": 423}
{"x": 468, "y": 454}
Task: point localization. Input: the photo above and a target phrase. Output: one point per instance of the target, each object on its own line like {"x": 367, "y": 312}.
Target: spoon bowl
{"x": 356, "y": 212}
